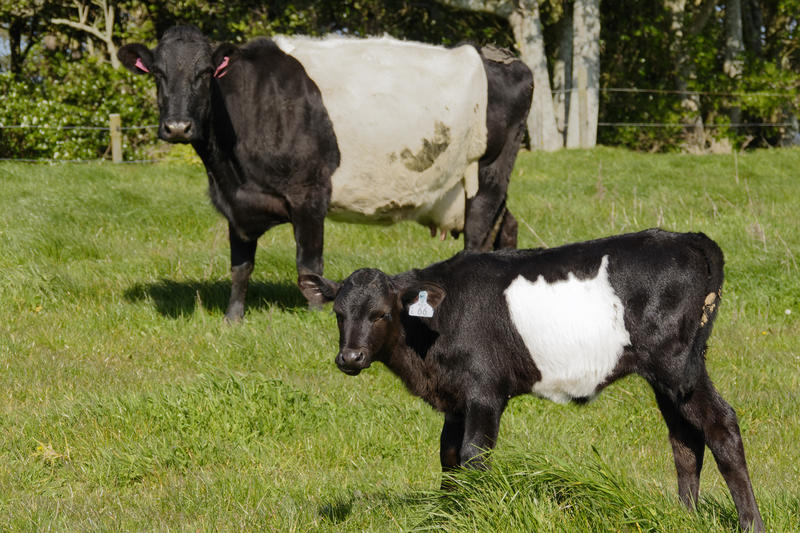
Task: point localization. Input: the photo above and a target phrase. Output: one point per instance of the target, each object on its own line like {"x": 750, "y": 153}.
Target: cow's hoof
{"x": 234, "y": 314}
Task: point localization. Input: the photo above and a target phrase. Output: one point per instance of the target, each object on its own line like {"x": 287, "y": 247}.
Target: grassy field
{"x": 127, "y": 404}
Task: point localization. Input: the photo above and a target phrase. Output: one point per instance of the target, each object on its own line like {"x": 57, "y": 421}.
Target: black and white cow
{"x": 364, "y": 130}
{"x": 562, "y": 323}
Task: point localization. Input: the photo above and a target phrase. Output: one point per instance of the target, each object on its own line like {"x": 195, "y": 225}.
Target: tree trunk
{"x": 585, "y": 99}
{"x": 527, "y": 28}
{"x": 733, "y": 64}
{"x": 684, "y": 71}
{"x": 562, "y": 73}
{"x": 752, "y": 22}
{"x": 15, "y": 46}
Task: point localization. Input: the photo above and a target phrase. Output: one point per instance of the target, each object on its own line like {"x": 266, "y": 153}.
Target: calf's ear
{"x": 223, "y": 57}
{"x": 317, "y": 289}
{"x": 410, "y": 295}
{"x": 136, "y": 57}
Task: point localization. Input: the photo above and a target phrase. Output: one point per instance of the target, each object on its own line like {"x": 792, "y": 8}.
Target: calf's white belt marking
{"x": 574, "y": 330}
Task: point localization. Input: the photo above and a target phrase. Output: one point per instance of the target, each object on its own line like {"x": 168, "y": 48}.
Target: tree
{"x": 22, "y": 20}
{"x": 527, "y": 27}
{"x": 585, "y": 101}
{"x": 733, "y": 65}
{"x": 579, "y": 58}
{"x": 101, "y": 27}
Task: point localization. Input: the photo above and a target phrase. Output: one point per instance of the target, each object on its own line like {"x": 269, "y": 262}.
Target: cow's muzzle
{"x": 178, "y": 131}
{"x": 351, "y": 361}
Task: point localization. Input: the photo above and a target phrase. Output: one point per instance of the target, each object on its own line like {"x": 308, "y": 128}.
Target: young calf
{"x": 469, "y": 333}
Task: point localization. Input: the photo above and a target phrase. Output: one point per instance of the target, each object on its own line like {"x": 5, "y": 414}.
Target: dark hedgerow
{"x": 54, "y": 107}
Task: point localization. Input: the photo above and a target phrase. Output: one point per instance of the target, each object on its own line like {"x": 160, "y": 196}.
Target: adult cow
{"x": 368, "y": 130}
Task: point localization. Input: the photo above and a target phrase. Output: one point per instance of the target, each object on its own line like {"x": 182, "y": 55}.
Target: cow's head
{"x": 183, "y": 65}
{"x": 369, "y": 307}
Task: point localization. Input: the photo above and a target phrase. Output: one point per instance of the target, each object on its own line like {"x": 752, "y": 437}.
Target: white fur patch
{"x": 573, "y": 329}
{"x": 410, "y": 121}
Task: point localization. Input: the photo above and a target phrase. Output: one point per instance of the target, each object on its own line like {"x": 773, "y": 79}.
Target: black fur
{"x": 259, "y": 124}
{"x": 468, "y": 359}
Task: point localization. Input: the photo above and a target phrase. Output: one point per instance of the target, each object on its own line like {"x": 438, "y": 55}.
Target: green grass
{"x": 127, "y": 404}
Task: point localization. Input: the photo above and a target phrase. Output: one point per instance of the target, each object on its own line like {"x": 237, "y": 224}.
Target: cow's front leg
{"x": 481, "y": 425}
{"x": 243, "y": 258}
{"x": 308, "y": 235}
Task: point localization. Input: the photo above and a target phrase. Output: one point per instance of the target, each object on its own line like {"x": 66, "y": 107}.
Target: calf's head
{"x": 370, "y": 308}
{"x": 183, "y": 65}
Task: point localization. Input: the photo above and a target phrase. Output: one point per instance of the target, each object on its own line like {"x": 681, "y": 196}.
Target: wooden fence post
{"x": 115, "y": 125}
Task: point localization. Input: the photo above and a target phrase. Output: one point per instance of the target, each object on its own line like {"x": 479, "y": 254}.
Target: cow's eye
{"x": 379, "y": 318}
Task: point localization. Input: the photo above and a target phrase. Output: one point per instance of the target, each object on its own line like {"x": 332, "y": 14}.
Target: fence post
{"x": 115, "y": 126}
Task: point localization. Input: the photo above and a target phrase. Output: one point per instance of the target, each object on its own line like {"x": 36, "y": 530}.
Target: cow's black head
{"x": 183, "y": 65}
{"x": 369, "y": 306}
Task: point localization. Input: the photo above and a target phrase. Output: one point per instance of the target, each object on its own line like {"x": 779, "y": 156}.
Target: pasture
{"x": 127, "y": 404}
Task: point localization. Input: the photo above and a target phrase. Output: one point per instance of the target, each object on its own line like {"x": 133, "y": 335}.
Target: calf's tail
{"x": 715, "y": 262}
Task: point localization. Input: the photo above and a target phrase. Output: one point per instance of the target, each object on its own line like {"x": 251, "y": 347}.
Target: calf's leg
{"x": 450, "y": 445}
{"x": 706, "y": 410}
{"x": 481, "y": 425}
{"x": 688, "y": 447}
{"x": 243, "y": 258}
{"x": 702, "y": 418}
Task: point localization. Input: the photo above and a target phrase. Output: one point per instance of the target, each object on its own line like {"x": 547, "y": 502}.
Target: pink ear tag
{"x": 140, "y": 65}
{"x": 221, "y": 68}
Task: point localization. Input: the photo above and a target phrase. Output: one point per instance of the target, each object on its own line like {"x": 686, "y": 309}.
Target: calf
{"x": 469, "y": 333}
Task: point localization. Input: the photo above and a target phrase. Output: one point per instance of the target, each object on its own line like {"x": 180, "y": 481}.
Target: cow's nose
{"x": 178, "y": 130}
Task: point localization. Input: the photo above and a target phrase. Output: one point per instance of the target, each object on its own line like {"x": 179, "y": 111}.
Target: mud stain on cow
{"x": 431, "y": 149}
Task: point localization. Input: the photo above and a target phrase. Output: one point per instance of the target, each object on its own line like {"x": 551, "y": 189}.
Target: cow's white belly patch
{"x": 410, "y": 122}
{"x": 574, "y": 330}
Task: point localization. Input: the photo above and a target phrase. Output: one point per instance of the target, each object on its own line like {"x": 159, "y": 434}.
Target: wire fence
{"x": 113, "y": 128}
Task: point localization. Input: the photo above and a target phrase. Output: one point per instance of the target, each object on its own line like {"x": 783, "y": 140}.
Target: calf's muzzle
{"x": 351, "y": 361}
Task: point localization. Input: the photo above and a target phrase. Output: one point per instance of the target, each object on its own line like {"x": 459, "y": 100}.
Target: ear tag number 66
{"x": 421, "y": 308}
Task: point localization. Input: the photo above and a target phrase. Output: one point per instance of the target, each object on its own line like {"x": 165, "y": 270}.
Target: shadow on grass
{"x": 339, "y": 509}
{"x": 180, "y": 298}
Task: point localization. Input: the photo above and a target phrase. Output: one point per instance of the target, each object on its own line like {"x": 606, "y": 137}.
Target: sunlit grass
{"x": 126, "y": 403}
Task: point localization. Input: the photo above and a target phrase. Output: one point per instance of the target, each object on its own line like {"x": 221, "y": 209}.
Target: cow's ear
{"x": 317, "y": 289}
{"x": 223, "y": 57}
{"x": 410, "y": 295}
{"x": 136, "y": 57}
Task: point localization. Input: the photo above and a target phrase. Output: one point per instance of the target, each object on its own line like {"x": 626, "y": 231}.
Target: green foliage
{"x": 74, "y": 94}
{"x": 639, "y": 52}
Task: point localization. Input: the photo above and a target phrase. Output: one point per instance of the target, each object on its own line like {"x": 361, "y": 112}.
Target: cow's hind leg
{"x": 243, "y": 258}
{"x": 484, "y": 220}
{"x": 688, "y": 447}
{"x": 507, "y": 235}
